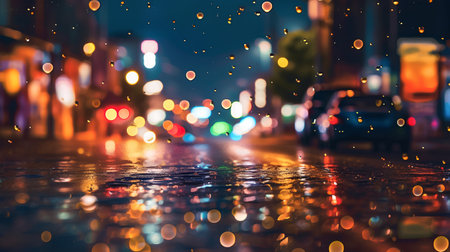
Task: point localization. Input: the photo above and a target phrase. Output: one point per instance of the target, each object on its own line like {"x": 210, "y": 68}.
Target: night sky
{"x": 178, "y": 41}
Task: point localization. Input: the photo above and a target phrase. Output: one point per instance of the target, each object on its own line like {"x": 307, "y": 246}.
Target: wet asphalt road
{"x": 255, "y": 195}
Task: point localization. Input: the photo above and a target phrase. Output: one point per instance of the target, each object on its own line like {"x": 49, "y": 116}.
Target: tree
{"x": 290, "y": 82}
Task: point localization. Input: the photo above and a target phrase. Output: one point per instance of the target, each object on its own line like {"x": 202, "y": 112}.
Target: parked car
{"x": 314, "y": 104}
{"x": 379, "y": 119}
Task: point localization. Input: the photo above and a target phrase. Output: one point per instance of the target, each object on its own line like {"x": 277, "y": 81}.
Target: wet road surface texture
{"x": 264, "y": 195}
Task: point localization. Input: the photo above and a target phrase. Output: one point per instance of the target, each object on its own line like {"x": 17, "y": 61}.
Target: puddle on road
{"x": 157, "y": 202}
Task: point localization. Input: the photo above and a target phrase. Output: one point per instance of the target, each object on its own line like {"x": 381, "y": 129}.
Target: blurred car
{"x": 374, "y": 118}
{"x": 314, "y": 104}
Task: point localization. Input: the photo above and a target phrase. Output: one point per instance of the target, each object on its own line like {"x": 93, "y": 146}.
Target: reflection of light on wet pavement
{"x": 169, "y": 197}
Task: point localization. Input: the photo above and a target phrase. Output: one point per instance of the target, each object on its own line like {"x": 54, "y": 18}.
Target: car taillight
{"x": 333, "y": 120}
{"x": 411, "y": 121}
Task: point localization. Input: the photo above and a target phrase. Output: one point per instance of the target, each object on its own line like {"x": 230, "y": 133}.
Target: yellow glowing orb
{"x": 139, "y": 121}
{"x": 132, "y": 77}
{"x": 89, "y": 48}
{"x": 111, "y": 114}
{"x": 132, "y": 130}
{"x": 200, "y": 15}
{"x": 168, "y": 104}
{"x": 298, "y": 9}
{"x": 283, "y": 62}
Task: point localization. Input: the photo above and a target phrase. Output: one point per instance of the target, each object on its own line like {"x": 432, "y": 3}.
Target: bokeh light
{"x": 283, "y": 62}
{"x": 227, "y": 239}
{"x": 94, "y": 5}
{"x": 358, "y": 44}
{"x": 156, "y": 116}
{"x": 347, "y": 222}
{"x": 149, "y": 137}
{"x": 153, "y": 87}
{"x": 132, "y": 130}
{"x": 132, "y": 77}
{"x": 189, "y": 217}
{"x": 168, "y": 104}
{"x": 214, "y": 216}
{"x": 65, "y": 91}
{"x": 184, "y": 104}
{"x": 149, "y": 60}
{"x": 417, "y": 190}
{"x": 47, "y": 67}
{"x": 46, "y": 236}
{"x": 149, "y": 46}
{"x": 139, "y": 121}
{"x": 226, "y": 103}
{"x": 236, "y": 110}
{"x": 89, "y": 48}
{"x": 190, "y": 75}
{"x": 111, "y": 114}
{"x": 336, "y": 246}
{"x": 124, "y": 113}
{"x": 100, "y": 247}
{"x": 168, "y": 232}
{"x": 200, "y": 15}
{"x": 266, "y": 6}
{"x": 440, "y": 243}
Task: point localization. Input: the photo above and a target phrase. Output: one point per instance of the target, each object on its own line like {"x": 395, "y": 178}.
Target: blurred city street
{"x": 265, "y": 195}
{"x": 203, "y": 126}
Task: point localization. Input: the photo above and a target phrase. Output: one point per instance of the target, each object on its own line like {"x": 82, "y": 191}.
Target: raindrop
{"x": 421, "y": 29}
{"x": 363, "y": 80}
{"x": 298, "y": 9}
{"x": 16, "y": 128}
{"x": 257, "y": 13}
{"x": 246, "y": 47}
{"x": 232, "y": 57}
{"x": 200, "y": 15}
{"x": 285, "y": 31}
